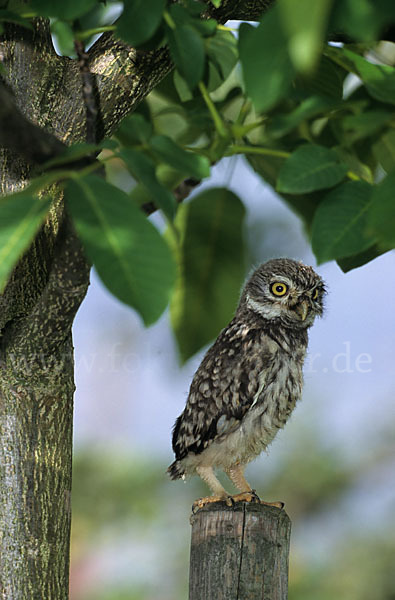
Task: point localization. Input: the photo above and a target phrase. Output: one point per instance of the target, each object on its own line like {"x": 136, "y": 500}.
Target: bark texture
{"x": 248, "y": 10}
{"x": 239, "y": 553}
{"x": 41, "y": 110}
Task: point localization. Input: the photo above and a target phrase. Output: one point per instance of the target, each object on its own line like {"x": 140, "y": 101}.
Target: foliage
{"x": 21, "y": 216}
{"x": 98, "y": 208}
{"x": 209, "y": 264}
{"x": 315, "y": 119}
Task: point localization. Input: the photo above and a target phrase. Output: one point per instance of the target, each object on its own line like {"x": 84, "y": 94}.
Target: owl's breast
{"x": 252, "y": 402}
{"x": 280, "y": 387}
{"x": 279, "y": 390}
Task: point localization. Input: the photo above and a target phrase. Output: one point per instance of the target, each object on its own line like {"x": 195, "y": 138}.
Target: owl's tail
{"x": 176, "y": 470}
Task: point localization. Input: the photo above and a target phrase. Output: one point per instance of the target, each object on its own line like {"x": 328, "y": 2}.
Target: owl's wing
{"x": 229, "y": 379}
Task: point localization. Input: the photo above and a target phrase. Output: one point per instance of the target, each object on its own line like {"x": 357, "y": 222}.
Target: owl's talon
{"x": 230, "y": 501}
{"x": 245, "y": 497}
{"x": 278, "y": 504}
{"x": 200, "y": 502}
{"x": 255, "y": 498}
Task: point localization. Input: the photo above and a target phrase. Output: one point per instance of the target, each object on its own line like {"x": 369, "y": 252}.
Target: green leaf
{"x": 211, "y": 268}
{"x": 64, "y": 37}
{"x": 71, "y": 154}
{"x": 268, "y": 168}
{"x": 327, "y": 81}
{"x": 213, "y": 79}
{"x": 310, "y": 167}
{"x": 358, "y": 126}
{"x": 180, "y": 14}
{"x": 340, "y": 222}
{"x": 65, "y": 11}
{"x": 205, "y": 28}
{"x": 167, "y": 177}
{"x": 21, "y": 215}
{"x": 304, "y": 23}
{"x": 313, "y": 106}
{"x": 358, "y": 260}
{"x": 130, "y": 255}
{"x": 171, "y": 153}
{"x": 11, "y": 17}
{"x": 182, "y": 87}
{"x": 384, "y": 150}
{"x": 353, "y": 163}
{"x": 267, "y": 68}
{"x": 362, "y": 19}
{"x": 222, "y": 51}
{"x": 382, "y": 213}
{"x": 187, "y": 50}
{"x": 143, "y": 169}
{"x": 195, "y": 7}
{"x": 191, "y": 15}
{"x": 139, "y": 20}
{"x": 378, "y": 79}
{"x": 133, "y": 130}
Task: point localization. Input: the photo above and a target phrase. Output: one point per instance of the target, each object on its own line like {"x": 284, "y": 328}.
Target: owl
{"x": 249, "y": 381}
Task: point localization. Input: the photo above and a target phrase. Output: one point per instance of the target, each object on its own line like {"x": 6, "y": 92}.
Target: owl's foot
{"x": 251, "y": 496}
{"x": 200, "y": 502}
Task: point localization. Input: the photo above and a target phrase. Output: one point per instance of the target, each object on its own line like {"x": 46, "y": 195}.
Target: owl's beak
{"x": 302, "y": 309}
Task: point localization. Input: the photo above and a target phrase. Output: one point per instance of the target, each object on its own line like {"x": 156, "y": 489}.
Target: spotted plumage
{"x": 251, "y": 378}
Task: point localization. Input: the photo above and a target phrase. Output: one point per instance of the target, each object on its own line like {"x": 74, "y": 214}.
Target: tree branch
{"x": 21, "y": 136}
{"x": 124, "y": 76}
{"x": 90, "y": 94}
{"x": 238, "y": 10}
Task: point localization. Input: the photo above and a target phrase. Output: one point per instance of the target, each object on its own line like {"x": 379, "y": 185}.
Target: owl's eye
{"x": 279, "y": 289}
{"x": 314, "y": 295}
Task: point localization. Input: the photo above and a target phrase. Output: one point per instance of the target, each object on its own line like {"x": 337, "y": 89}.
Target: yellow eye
{"x": 278, "y": 288}
{"x": 314, "y": 295}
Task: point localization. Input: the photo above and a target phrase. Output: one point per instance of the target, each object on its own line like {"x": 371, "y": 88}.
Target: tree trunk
{"x": 36, "y": 410}
{"x": 35, "y": 483}
{"x": 239, "y": 553}
{"x": 37, "y": 308}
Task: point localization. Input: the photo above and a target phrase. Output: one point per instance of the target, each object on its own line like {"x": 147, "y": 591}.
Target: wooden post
{"x": 239, "y": 552}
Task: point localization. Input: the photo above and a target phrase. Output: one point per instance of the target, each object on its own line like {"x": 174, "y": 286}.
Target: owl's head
{"x": 284, "y": 291}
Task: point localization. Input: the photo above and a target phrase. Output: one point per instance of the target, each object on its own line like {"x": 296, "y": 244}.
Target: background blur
{"x": 333, "y": 465}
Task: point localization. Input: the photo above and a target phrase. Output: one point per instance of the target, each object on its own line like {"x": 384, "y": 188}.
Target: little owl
{"x": 250, "y": 379}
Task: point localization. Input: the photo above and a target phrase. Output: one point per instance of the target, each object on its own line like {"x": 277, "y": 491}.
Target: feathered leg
{"x": 236, "y": 475}
{"x": 219, "y": 493}
{"x": 247, "y": 494}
